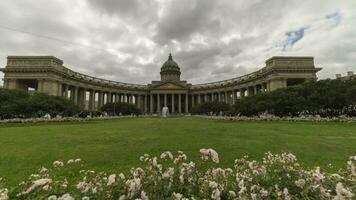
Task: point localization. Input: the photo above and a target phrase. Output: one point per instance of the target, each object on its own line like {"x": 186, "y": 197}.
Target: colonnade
{"x": 92, "y": 99}
{"x": 154, "y": 101}
{"x": 228, "y": 96}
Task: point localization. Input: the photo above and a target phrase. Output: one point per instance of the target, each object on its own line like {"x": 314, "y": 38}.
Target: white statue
{"x": 165, "y": 111}
{"x": 47, "y": 116}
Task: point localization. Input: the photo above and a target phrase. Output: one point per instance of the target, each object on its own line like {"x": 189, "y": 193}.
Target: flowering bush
{"x": 62, "y": 119}
{"x": 308, "y": 118}
{"x": 173, "y": 176}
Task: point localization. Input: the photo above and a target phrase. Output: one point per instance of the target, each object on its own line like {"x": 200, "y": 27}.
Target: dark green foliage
{"x": 53, "y": 105}
{"x": 326, "y": 98}
{"x": 120, "y": 108}
{"x": 15, "y": 103}
{"x": 214, "y": 107}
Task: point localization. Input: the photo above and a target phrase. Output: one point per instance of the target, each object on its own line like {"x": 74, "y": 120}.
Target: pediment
{"x": 169, "y": 85}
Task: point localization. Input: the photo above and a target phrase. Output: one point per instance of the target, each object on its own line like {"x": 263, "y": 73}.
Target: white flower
{"x": 70, "y": 161}
{"x": 121, "y": 176}
{"x": 177, "y": 196}
{"x": 167, "y": 155}
{"x": 181, "y": 179}
{"x": 168, "y": 174}
{"x": 144, "y": 196}
{"x": 111, "y": 179}
{"x": 43, "y": 170}
{"x": 213, "y": 184}
{"x": 52, "y": 197}
{"x": 77, "y": 160}
{"x": 216, "y": 194}
{"x": 232, "y": 194}
{"x": 317, "y": 175}
{"x": 264, "y": 192}
{"x": 253, "y": 196}
{"x": 154, "y": 162}
{"x": 122, "y": 197}
{"x": 58, "y": 163}
{"x": 206, "y": 153}
{"x": 134, "y": 186}
{"x": 342, "y": 193}
{"x": 85, "y": 198}
{"x": 38, "y": 183}
{"x": 66, "y": 197}
{"x": 286, "y": 194}
{"x": 83, "y": 186}
{"x": 300, "y": 183}
{"x": 4, "y": 194}
{"x": 46, "y": 187}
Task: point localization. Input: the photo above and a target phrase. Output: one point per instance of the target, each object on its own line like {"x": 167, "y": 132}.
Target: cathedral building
{"x": 47, "y": 74}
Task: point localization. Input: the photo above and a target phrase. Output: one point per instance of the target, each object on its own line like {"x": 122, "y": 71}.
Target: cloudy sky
{"x": 128, "y": 40}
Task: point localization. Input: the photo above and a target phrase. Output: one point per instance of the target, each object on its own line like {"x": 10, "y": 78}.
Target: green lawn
{"x": 117, "y": 144}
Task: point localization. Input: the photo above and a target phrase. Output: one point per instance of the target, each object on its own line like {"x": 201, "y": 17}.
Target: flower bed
{"x": 62, "y": 119}
{"x": 276, "y": 118}
{"x": 173, "y": 176}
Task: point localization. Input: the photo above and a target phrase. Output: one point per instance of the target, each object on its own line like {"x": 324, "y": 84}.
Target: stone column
{"x": 123, "y": 98}
{"x": 263, "y": 87}
{"x": 180, "y": 103}
{"x": 165, "y": 100}
{"x": 66, "y": 91}
{"x": 219, "y": 96}
{"x": 145, "y": 104}
{"x": 100, "y": 99}
{"x": 139, "y": 101}
{"x": 248, "y": 92}
{"x": 92, "y": 100}
{"x": 255, "y": 89}
{"x": 75, "y": 95}
{"x": 199, "y": 99}
{"x": 193, "y": 100}
{"x": 234, "y": 96}
{"x": 186, "y": 103}
{"x": 172, "y": 103}
{"x": 151, "y": 103}
{"x": 158, "y": 103}
{"x": 205, "y": 97}
{"x": 84, "y": 98}
{"x": 226, "y": 97}
{"x": 116, "y": 97}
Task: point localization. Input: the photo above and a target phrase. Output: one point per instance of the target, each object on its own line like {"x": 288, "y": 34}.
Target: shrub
{"x": 277, "y": 176}
{"x": 18, "y": 104}
{"x": 43, "y": 103}
{"x": 214, "y": 107}
{"x": 327, "y": 98}
{"x": 120, "y": 109}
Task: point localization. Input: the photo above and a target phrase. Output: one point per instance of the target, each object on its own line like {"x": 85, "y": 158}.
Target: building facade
{"x": 47, "y": 74}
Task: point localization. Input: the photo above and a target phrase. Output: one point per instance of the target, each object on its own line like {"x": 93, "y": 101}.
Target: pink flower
{"x": 167, "y": 155}
{"x": 209, "y": 153}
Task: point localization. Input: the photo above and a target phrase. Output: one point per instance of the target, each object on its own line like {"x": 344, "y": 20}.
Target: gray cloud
{"x": 129, "y": 40}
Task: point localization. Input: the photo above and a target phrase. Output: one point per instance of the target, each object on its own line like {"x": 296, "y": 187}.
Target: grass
{"x": 115, "y": 145}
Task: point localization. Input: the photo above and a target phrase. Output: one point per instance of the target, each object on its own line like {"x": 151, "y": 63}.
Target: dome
{"x": 170, "y": 63}
{"x": 170, "y": 70}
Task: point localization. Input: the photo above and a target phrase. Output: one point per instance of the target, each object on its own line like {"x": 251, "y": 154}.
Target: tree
{"x": 214, "y": 107}
{"x": 14, "y": 103}
{"x": 120, "y": 108}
